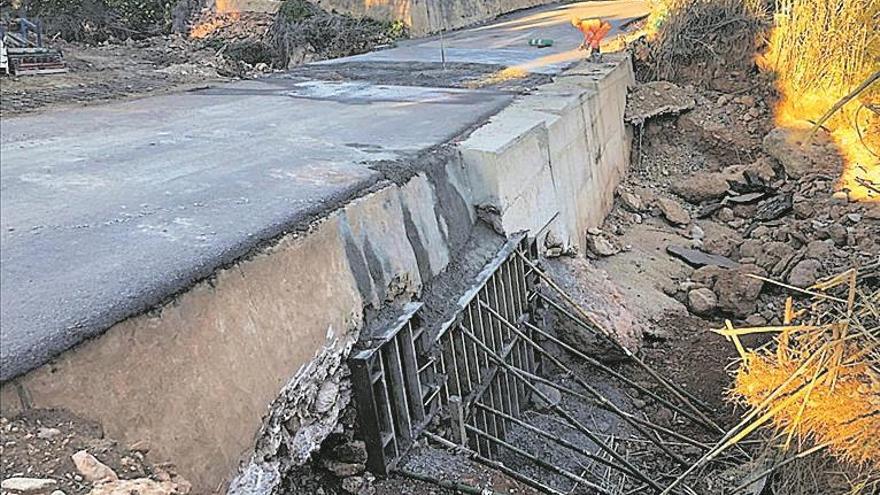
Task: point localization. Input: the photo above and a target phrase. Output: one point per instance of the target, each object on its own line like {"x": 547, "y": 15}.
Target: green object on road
{"x": 541, "y": 42}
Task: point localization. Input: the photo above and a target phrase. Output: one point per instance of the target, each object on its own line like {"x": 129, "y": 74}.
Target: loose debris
{"x": 47, "y": 450}
{"x": 656, "y": 98}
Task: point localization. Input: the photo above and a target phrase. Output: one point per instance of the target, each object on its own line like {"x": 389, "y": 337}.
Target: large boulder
{"x": 798, "y": 153}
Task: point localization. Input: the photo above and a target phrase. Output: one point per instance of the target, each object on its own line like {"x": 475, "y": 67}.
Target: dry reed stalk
{"x": 819, "y": 380}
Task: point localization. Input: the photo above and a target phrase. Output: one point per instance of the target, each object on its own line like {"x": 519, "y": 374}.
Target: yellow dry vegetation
{"x": 818, "y": 381}
{"x": 819, "y": 51}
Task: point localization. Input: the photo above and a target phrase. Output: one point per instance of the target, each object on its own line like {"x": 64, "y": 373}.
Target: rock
{"x": 724, "y": 214}
{"x": 701, "y": 187}
{"x": 91, "y": 468}
{"x": 772, "y": 253}
{"x": 698, "y": 258}
{"x": 673, "y": 212}
{"x": 818, "y": 249}
{"x": 756, "y": 320}
{"x": 354, "y": 485}
{"x": 600, "y": 246}
{"x": 737, "y": 292}
{"x": 354, "y": 451}
{"x": 719, "y": 239}
{"x": 48, "y": 433}
{"x": 707, "y": 275}
{"x": 344, "y": 469}
{"x": 142, "y": 446}
{"x": 837, "y": 233}
{"x": 25, "y": 486}
{"x": 805, "y": 273}
{"x": 596, "y": 292}
{"x": 790, "y": 147}
{"x": 702, "y": 301}
{"x": 139, "y": 486}
{"x": 631, "y": 201}
{"x": 553, "y": 395}
{"x": 327, "y": 396}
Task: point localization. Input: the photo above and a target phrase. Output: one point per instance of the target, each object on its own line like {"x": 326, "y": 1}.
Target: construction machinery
{"x": 22, "y": 51}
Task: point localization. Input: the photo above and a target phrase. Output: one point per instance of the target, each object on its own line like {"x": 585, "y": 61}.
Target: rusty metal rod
{"x": 537, "y": 485}
{"x": 564, "y": 414}
{"x": 607, "y": 404}
{"x": 558, "y": 440}
{"x": 679, "y": 392}
{"x": 449, "y": 485}
{"x": 595, "y": 363}
{"x": 540, "y": 462}
{"x": 686, "y": 397}
{"x": 575, "y": 393}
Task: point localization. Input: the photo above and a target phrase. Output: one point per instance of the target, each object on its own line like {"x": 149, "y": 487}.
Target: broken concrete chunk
{"x": 91, "y": 468}
{"x": 29, "y": 486}
{"x": 594, "y": 291}
{"x": 697, "y": 258}
{"x": 673, "y": 212}
{"x": 654, "y": 99}
{"x": 701, "y": 187}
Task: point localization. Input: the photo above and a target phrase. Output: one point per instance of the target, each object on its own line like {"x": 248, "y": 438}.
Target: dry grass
{"x": 819, "y": 50}
{"x": 818, "y": 381}
{"x": 703, "y": 34}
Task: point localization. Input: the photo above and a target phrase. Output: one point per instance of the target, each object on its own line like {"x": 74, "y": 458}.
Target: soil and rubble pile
{"x": 55, "y": 452}
{"x": 171, "y": 46}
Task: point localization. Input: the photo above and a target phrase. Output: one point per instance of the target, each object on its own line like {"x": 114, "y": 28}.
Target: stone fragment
{"x": 805, "y": 273}
{"x": 601, "y": 246}
{"x": 737, "y": 292}
{"x": 818, "y": 249}
{"x": 343, "y": 469}
{"x": 327, "y": 396}
{"x": 354, "y": 451}
{"x": 703, "y": 186}
{"x": 756, "y": 320}
{"x": 631, "y": 201}
{"x": 702, "y": 301}
{"x": 48, "y": 433}
{"x": 697, "y": 258}
{"x": 707, "y": 275}
{"x": 673, "y": 212}
{"x": 28, "y": 486}
{"x": 552, "y": 394}
{"x": 138, "y": 486}
{"x": 91, "y": 468}
{"x": 719, "y": 239}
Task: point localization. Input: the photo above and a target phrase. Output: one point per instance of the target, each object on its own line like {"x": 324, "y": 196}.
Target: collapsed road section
{"x": 259, "y": 265}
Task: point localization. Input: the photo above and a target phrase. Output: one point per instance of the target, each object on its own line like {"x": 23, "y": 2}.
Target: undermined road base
{"x": 195, "y": 377}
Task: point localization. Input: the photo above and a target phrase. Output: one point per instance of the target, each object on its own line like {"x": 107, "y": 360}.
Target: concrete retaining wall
{"x": 256, "y": 354}
{"x": 550, "y": 162}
